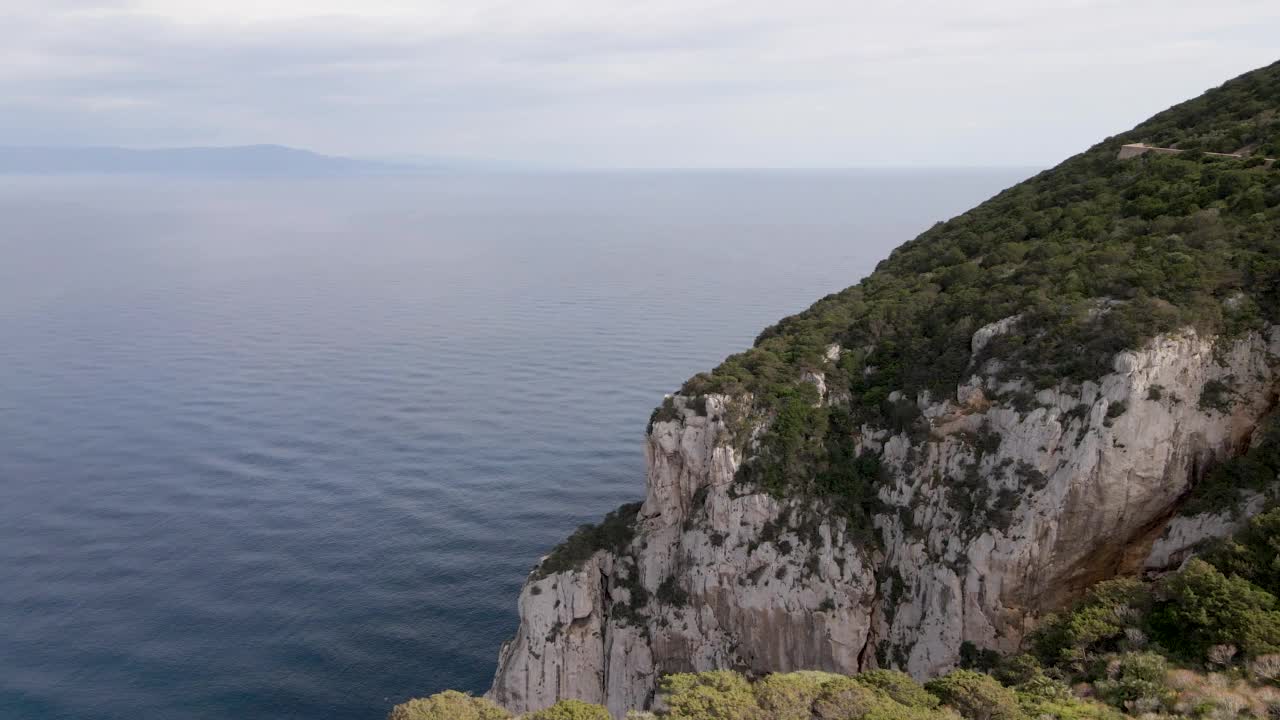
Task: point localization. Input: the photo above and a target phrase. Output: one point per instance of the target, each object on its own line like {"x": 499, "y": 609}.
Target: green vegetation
{"x": 1255, "y": 469}
{"x": 1126, "y": 637}
{"x": 1217, "y": 395}
{"x": 1199, "y": 608}
{"x": 716, "y": 694}
{"x": 1254, "y": 553}
{"x": 726, "y": 695}
{"x": 571, "y": 710}
{"x": 613, "y": 533}
{"x": 873, "y": 695}
{"x": 1095, "y": 256}
{"x": 453, "y": 705}
{"x": 448, "y": 705}
{"x": 790, "y": 696}
{"x": 900, "y": 687}
{"x": 976, "y": 696}
{"x": 1191, "y": 615}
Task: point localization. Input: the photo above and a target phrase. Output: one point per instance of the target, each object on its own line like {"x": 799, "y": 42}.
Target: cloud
{"x": 590, "y": 82}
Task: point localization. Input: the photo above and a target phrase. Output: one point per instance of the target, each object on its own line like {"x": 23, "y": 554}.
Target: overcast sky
{"x": 679, "y": 83}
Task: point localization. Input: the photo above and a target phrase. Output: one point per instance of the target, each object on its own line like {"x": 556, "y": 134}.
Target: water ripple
{"x": 281, "y": 450}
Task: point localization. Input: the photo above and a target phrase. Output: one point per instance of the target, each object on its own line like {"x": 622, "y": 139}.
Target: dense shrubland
{"x": 1094, "y": 256}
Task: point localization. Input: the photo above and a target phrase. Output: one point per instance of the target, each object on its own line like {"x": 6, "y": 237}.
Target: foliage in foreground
{"x": 453, "y": 705}
{"x": 448, "y": 705}
{"x": 571, "y": 710}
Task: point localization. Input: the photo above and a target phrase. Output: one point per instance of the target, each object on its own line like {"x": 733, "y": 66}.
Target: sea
{"x": 281, "y": 449}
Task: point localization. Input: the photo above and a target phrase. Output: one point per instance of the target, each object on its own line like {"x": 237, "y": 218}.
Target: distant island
{"x": 233, "y": 161}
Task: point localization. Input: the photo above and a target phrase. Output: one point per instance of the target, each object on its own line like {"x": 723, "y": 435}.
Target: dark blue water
{"x": 287, "y": 450}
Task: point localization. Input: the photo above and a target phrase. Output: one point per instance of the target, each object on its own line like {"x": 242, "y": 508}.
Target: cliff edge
{"x": 1023, "y": 401}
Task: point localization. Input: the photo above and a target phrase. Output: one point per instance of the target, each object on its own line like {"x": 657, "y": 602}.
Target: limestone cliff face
{"x": 1009, "y": 507}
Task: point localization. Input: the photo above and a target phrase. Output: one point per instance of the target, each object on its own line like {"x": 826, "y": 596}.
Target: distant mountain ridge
{"x": 232, "y": 161}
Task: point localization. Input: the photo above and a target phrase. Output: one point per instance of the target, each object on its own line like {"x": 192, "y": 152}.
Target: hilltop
{"x": 1019, "y": 433}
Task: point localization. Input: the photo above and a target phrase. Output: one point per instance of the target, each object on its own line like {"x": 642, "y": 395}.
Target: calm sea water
{"x": 287, "y": 450}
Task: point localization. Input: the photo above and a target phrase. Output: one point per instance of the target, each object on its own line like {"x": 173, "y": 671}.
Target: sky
{"x": 607, "y": 83}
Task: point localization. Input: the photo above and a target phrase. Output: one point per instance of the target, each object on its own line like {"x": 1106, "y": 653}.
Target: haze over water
{"x": 288, "y": 449}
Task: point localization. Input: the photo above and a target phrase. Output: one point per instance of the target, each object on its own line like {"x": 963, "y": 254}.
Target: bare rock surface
{"x": 999, "y": 515}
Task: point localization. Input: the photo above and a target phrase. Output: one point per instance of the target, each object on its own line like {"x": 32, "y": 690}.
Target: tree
{"x": 1098, "y": 623}
{"x": 1201, "y": 607}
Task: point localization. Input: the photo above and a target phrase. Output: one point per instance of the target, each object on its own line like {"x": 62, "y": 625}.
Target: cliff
{"x": 720, "y": 577}
{"x": 1024, "y": 401}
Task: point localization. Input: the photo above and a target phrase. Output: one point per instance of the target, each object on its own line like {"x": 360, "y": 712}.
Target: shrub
{"x": 900, "y": 687}
{"x": 1099, "y": 623}
{"x": 1018, "y": 670}
{"x": 1136, "y": 683}
{"x": 1200, "y": 608}
{"x": 1221, "y": 655}
{"x": 790, "y": 696}
{"x": 571, "y": 710}
{"x": 1265, "y": 668}
{"x": 671, "y": 593}
{"x": 1221, "y": 696}
{"x": 1216, "y": 395}
{"x": 976, "y": 696}
{"x": 974, "y": 658}
{"x": 845, "y": 699}
{"x": 448, "y": 705}
{"x": 1254, "y": 554}
{"x": 1043, "y": 687}
{"x": 1222, "y": 488}
{"x": 715, "y": 695}
{"x": 613, "y": 533}
{"x": 1115, "y": 410}
{"x": 1047, "y": 699}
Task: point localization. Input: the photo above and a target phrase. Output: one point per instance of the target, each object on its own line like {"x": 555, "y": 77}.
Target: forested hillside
{"x": 1091, "y": 257}
{"x": 1005, "y": 462}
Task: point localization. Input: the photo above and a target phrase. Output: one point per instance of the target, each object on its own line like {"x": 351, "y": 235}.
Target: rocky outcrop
{"x": 716, "y": 577}
{"x": 1186, "y": 534}
{"x": 1010, "y": 505}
